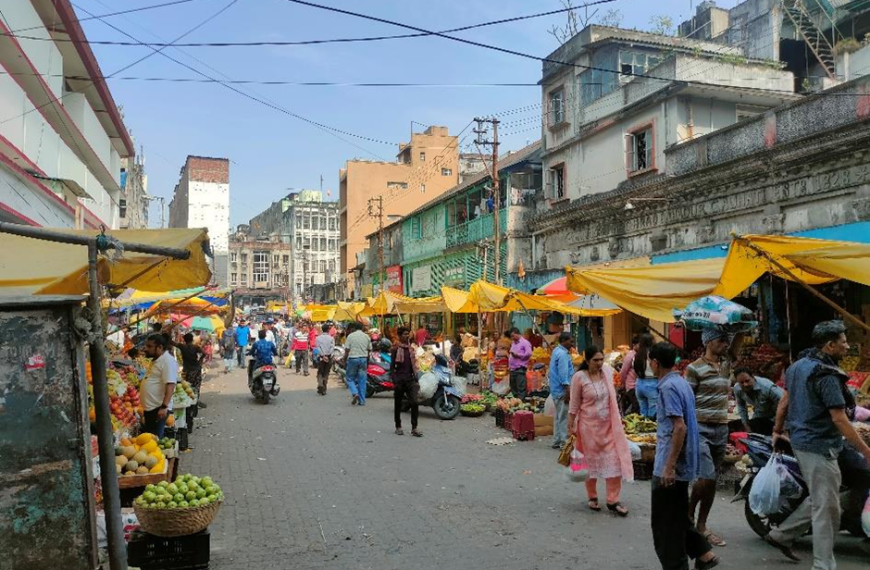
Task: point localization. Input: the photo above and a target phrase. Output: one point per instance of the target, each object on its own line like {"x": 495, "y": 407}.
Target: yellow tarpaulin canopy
{"x": 348, "y": 311}
{"x": 489, "y": 297}
{"x": 36, "y": 267}
{"x": 387, "y": 303}
{"x": 192, "y": 306}
{"x": 457, "y": 301}
{"x": 655, "y": 291}
{"x": 319, "y": 313}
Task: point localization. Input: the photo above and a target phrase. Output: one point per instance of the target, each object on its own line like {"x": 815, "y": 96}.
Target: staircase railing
{"x": 799, "y": 15}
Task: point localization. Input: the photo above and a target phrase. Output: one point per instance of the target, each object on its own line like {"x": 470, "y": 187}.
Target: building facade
{"x": 258, "y": 267}
{"x": 202, "y": 200}
{"x": 62, "y": 137}
{"x": 308, "y": 227}
{"x": 425, "y": 168}
{"x": 134, "y": 184}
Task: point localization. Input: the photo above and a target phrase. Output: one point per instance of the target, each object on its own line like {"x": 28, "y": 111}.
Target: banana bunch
{"x": 637, "y": 424}
{"x": 643, "y": 438}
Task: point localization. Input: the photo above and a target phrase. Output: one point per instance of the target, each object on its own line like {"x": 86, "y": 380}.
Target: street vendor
{"x": 192, "y": 357}
{"x": 760, "y": 393}
{"x": 159, "y": 385}
{"x": 520, "y": 354}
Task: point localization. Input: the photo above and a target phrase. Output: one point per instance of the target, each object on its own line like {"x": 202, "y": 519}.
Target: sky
{"x": 272, "y": 152}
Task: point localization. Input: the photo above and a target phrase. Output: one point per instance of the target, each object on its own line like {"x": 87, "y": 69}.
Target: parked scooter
{"x": 378, "y": 372}
{"x": 760, "y": 448}
{"x": 447, "y": 398}
{"x": 339, "y": 362}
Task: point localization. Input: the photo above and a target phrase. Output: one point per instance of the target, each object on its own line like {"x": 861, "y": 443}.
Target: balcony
{"x": 475, "y": 230}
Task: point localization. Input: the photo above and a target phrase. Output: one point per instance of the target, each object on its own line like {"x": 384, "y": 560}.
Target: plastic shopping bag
{"x": 865, "y": 518}
{"x": 636, "y": 451}
{"x": 578, "y": 470}
{"x": 550, "y": 407}
{"x": 772, "y": 487}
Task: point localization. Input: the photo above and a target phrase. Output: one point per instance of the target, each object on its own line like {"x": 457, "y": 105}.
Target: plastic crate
{"x": 508, "y": 421}
{"x": 149, "y": 552}
{"x": 524, "y": 435}
{"x": 643, "y": 471}
{"x": 499, "y": 417}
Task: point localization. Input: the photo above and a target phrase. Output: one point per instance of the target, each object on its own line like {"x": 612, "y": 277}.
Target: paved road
{"x": 312, "y": 483}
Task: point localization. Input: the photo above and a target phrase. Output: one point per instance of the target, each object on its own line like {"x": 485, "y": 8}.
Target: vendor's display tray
{"x": 130, "y": 481}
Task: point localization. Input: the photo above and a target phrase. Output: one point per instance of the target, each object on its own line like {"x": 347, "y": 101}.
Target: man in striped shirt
{"x": 710, "y": 379}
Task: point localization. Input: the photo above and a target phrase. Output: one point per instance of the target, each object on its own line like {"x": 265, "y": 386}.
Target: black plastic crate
{"x": 643, "y": 471}
{"x": 499, "y": 418}
{"x": 150, "y": 552}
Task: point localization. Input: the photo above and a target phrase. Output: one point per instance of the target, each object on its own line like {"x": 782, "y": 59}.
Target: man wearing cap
{"x": 710, "y": 379}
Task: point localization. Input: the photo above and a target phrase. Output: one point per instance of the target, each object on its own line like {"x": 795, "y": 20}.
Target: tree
{"x": 661, "y": 25}
{"x": 574, "y": 24}
{"x": 612, "y": 18}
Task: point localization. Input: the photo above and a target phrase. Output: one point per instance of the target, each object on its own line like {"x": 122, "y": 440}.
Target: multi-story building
{"x": 134, "y": 183}
{"x": 258, "y": 266}
{"x": 307, "y": 229}
{"x": 62, "y": 137}
{"x": 450, "y": 240}
{"x": 425, "y": 168}
{"x": 202, "y": 200}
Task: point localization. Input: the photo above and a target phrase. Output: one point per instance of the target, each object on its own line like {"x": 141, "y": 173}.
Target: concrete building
{"x": 259, "y": 266}
{"x": 308, "y": 226}
{"x": 425, "y": 168}
{"x": 134, "y": 184}
{"x": 62, "y": 137}
{"x": 202, "y": 200}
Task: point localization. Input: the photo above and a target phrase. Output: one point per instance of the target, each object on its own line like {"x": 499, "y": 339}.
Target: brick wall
{"x": 204, "y": 169}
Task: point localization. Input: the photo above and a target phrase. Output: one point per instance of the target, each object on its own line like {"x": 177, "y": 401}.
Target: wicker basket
{"x": 468, "y": 414}
{"x": 176, "y": 522}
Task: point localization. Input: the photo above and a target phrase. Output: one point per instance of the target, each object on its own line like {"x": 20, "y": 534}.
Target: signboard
{"x": 421, "y": 279}
{"x": 394, "y": 279}
{"x": 454, "y": 276}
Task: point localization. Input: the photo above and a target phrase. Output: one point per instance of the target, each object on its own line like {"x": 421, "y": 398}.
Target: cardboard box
{"x": 543, "y": 421}
{"x": 541, "y": 431}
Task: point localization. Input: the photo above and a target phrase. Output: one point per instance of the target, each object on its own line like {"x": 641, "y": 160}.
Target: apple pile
{"x": 187, "y": 491}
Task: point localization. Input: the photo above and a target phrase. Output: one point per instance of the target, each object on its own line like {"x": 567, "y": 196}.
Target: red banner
{"x": 394, "y": 279}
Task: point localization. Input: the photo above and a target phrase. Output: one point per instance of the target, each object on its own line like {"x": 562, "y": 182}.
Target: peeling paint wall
{"x": 46, "y": 495}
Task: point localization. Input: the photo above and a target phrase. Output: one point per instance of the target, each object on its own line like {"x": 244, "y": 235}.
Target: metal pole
{"x": 105, "y": 440}
{"x": 496, "y": 221}
{"x": 87, "y": 240}
{"x": 381, "y": 239}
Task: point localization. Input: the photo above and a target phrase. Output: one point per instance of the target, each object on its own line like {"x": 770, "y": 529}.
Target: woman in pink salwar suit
{"x": 595, "y": 421}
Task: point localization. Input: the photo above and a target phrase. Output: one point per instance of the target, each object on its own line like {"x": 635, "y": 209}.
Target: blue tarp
{"x": 858, "y": 232}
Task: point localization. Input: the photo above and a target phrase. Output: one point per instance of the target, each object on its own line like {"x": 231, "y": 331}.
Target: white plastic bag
{"x": 772, "y": 487}
{"x": 501, "y": 388}
{"x": 550, "y": 407}
{"x": 578, "y": 471}
{"x": 428, "y": 385}
{"x": 635, "y": 450}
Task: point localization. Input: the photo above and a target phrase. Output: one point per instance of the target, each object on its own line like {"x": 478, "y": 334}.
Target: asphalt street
{"x": 312, "y": 482}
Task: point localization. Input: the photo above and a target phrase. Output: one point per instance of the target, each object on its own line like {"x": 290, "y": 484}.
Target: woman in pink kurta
{"x": 595, "y": 421}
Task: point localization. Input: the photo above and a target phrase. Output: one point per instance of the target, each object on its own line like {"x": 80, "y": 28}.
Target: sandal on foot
{"x": 712, "y": 563}
{"x": 594, "y": 505}
{"x": 714, "y": 540}
{"x": 618, "y": 509}
{"x": 416, "y": 433}
{"x": 399, "y": 431}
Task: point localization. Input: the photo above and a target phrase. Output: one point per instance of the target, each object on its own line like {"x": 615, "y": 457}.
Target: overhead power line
{"x": 110, "y": 15}
{"x": 279, "y": 43}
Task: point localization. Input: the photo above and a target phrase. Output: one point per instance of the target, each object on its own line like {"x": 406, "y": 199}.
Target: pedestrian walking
{"x": 159, "y": 385}
{"x": 228, "y": 348}
{"x": 520, "y": 354}
{"x": 323, "y": 347}
{"x": 710, "y": 379}
{"x": 192, "y": 357}
{"x": 358, "y": 345}
{"x": 560, "y": 373}
{"x": 243, "y": 337}
{"x": 300, "y": 349}
{"x": 597, "y": 425}
{"x": 814, "y": 412}
{"x": 403, "y": 371}
{"x": 675, "y": 536}
{"x": 759, "y": 393}
{"x": 628, "y": 379}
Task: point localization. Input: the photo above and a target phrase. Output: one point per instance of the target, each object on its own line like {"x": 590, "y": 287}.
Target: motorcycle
{"x": 378, "y": 371}
{"x": 339, "y": 363}
{"x": 760, "y": 448}
{"x": 263, "y": 383}
{"x": 447, "y": 398}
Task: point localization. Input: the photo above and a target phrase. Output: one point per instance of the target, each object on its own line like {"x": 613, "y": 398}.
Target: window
{"x": 557, "y": 106}
{"x": 332, "y": 223}
{"x": 323, "y": 266}
{"x": 422, "y": 157}
{"x": 275, "y": 259}
{"x": 276, "y": 279}
{"x": 332, "y": 245}
{"x": 556, "y": 183}
{"x": 633, "y": 63}
{"x": 234, "y": 278}
{"x": 306, "y": 222}
{"x": 322, "y": 244}
{"x": 446, "y": 172}
{"x": 286, "y": 259}
{"x": 233, "y": 256}
{"x": 298, "y": 242}
{"x": 261, "y": 266}
{"x": 422, "y": 188}
{"x": 451, "y": 213}
{"x": 640, "y": 150}
{"x": 416, "y": 228}
{"x": 244, "y": 278}
{"x": 395, "y": 186}
{"x": 332, "y": 265}
{"x": 244, "y": 259}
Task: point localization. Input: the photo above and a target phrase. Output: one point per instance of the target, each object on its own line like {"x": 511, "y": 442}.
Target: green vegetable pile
{"x": 187, "y": 491}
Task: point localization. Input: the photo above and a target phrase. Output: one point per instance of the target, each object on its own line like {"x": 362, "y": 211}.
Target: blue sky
{"x": 271, "y": 151}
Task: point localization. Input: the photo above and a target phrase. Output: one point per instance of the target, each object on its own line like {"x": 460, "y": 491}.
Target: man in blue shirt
{"x": 243, "y": 336}
{"x": 263, "y": 350}
{"x": 676, "y": 465}
{"x": 560, "y": 373}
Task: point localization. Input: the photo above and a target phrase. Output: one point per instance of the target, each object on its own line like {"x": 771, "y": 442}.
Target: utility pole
{"x": 378, "y": 202}
{"x": 496, "y": 221}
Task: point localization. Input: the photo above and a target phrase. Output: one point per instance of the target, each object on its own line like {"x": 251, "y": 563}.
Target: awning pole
{"x": 105, "y": 440}
{"x": 849, "y": 316}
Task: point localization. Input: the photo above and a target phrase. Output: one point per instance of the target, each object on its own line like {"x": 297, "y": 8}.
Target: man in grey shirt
{"x": 358, "y": 345}
{"x": 323, "y": 346}
{"x": 760, "y": 393}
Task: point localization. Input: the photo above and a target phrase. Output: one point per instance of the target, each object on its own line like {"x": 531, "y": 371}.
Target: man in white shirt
{"x": 159, "y": 385}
